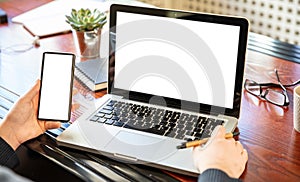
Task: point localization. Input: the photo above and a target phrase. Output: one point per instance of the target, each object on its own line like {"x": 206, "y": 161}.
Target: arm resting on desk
{"x": 216, "y": 175}
{"x": 8, "y": 156}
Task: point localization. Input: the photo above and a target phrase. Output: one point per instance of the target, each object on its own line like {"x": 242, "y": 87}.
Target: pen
{"x": 203, "y": 141}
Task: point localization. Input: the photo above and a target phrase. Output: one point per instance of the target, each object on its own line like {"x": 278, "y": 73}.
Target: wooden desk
{"x": 266, "y": 130}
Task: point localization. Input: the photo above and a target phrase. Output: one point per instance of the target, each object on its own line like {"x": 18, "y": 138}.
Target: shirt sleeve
{"x": 216, "y": 175}
{"x": 8, "y": 156}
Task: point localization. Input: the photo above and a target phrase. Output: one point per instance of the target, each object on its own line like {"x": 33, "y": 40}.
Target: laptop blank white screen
{"x": 216, "y": 44}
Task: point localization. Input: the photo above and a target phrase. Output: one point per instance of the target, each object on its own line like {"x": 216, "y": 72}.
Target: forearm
{"x": 216, "y": 175}
{"x": 8, "y": 156}
{"x": 8, "y": 130}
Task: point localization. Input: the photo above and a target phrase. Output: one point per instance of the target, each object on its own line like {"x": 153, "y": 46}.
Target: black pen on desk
{"x": 203, "y": 141}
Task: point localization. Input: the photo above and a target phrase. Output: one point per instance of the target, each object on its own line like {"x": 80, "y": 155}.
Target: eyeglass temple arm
{"x": 278, "y": 85}
{"x": 284, "y": 89}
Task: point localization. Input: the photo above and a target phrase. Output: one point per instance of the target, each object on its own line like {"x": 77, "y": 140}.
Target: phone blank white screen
{"x": 55, "y": 87}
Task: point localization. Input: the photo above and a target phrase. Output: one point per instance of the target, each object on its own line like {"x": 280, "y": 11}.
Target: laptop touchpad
{"x": 139, "y": 146}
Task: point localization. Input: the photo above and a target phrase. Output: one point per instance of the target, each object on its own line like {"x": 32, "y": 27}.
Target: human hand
{"x": 21, "y": 123}
{"x": 227, "y": 155}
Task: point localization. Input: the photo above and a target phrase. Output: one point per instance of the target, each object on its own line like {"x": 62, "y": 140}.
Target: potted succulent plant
{"x": 86, "y": 27}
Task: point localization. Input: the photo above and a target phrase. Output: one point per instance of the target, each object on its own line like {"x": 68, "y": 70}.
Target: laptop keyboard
{"x": 155, "y": 120}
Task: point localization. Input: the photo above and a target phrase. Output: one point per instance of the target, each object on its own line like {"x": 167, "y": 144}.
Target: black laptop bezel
{"x": 174, "y": 103}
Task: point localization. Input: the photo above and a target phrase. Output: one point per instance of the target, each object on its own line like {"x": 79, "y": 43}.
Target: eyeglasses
{"x": 264, "y": 91}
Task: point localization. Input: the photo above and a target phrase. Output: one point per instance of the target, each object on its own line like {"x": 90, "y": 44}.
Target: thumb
{"x": 219, "y": 132}
{"x": 52, "y": 125}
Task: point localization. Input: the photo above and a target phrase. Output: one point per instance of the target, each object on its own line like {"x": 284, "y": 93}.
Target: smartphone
{"x": 57, "y": 75}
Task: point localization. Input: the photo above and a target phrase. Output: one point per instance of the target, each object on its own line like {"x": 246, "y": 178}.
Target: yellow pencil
{"x": 203, "y": 141}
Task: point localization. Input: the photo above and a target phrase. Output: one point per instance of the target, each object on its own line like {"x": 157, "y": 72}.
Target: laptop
{"x": 173, "y": 77}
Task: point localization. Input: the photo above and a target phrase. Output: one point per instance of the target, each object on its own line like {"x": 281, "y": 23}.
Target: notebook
{"x": 92, "y": 73}
{"x": 173, "y": 76}
{"x": 49, "y": 19}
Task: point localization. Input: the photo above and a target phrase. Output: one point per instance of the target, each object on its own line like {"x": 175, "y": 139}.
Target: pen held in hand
{"x": 203, "y": 141}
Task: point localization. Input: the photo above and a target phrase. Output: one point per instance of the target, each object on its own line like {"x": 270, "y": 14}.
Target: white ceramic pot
{"x": 87, "y": 43}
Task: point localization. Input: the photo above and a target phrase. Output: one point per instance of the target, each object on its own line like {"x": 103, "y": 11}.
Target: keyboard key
{"x": 198, "y": 135}
{"x": 118, "y": 123}
{"x": 199, "y": 130}
{"x": 189, "y": 132}
{"x": 109, "y": 121}
{"x": 100, "y": 115}
{"x": 108, "y": 116}
{"x": 94, "y": 118}
{"x": 101, "y": 120}
{"x": 110, "y": 108}
{"x": 201, "y": 119}
{"x": 206, "y": 133}
{"x": 138, "y": 124}
{"x": 175, "y": 115}
{"x": 200, "y": 126}
{"x": 181, "y": 126}
{"x": 192, "y": 119}
{"x": 105, "y": 111}
{"x": 171, "y": 134}
{"x": 131, "y": 122}
{"x": 111, "y": 103}
{"x": 115, "y": 118}
{"x": 163, "y": 123}
{"x": 180, "y": 135}
{"x": 189, "y": 128}
{"x": 148, "y": 125}
{"x": 171, "y": 125}
{"x": 219, "y": 122}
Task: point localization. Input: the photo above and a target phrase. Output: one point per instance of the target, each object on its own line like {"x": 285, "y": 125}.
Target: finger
{"x": 232, "y": 143}
{"x": 219, "y": 132}
{"x": 196, "y": 150}
{"x": 75, "y": 106}
{"x": 51, "y": 125}
{"x": 239, "y": 146}
{"x": 245, "y": 155}
{"x": 75, "y": 91}
{"x": 33, "y": 91}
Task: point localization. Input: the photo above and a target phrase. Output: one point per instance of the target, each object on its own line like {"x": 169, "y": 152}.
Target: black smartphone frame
{"x": 70, "y": 87}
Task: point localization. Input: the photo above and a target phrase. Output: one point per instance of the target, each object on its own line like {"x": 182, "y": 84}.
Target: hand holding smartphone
{"x": 56, "y": 86}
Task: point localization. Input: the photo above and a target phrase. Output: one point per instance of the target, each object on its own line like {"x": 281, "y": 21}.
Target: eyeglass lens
{"x": 275, "y": 97}
{"x": 252, "y": 87}
{"x": 270, "y": 95}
